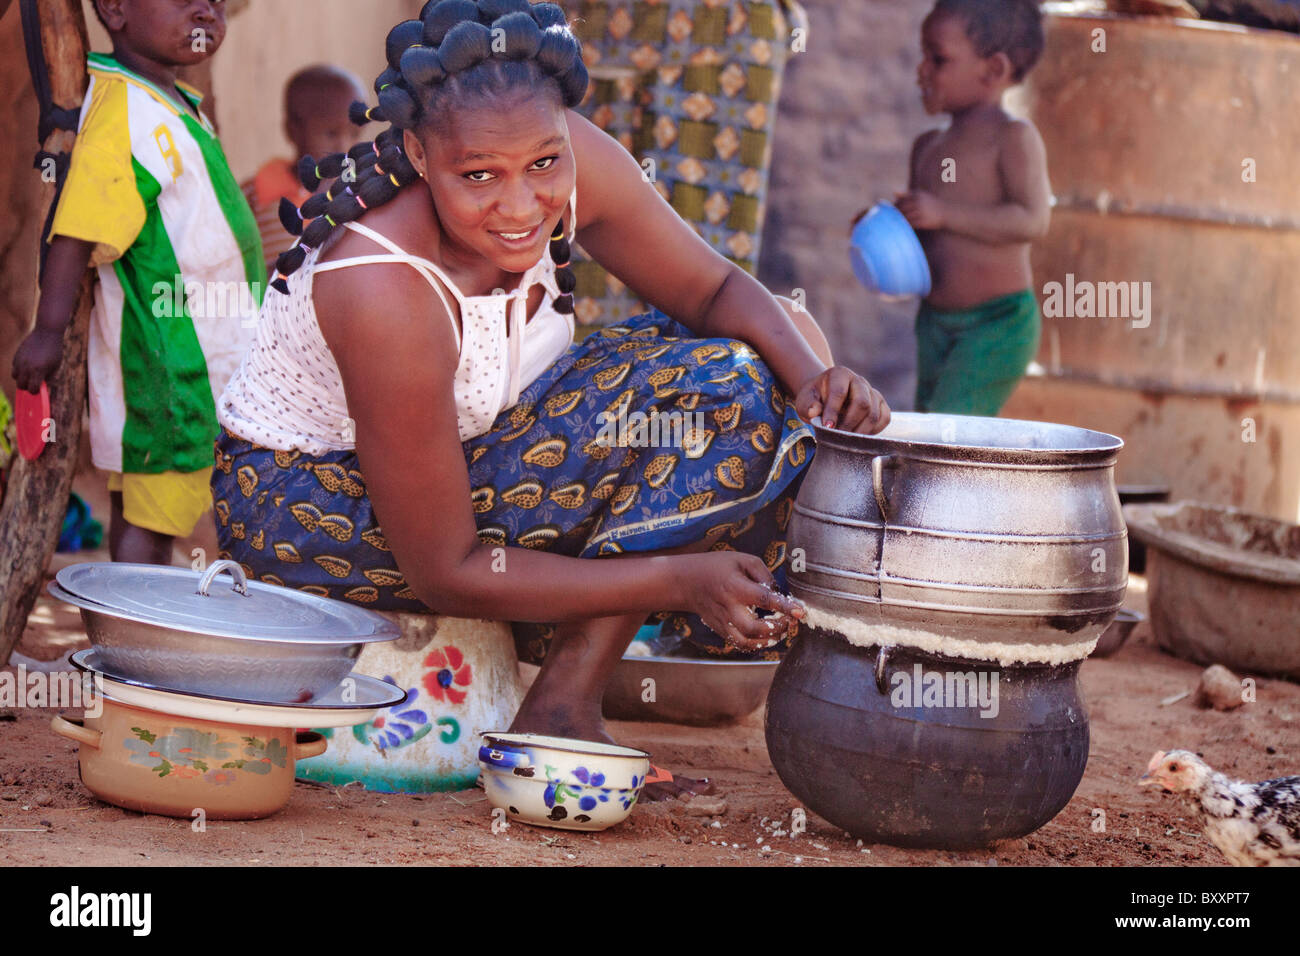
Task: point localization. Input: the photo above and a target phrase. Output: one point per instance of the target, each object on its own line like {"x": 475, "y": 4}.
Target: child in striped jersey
{"x": 150, "y": 201}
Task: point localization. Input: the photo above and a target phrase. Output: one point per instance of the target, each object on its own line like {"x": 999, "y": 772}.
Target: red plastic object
{"x": 31, "y": 411}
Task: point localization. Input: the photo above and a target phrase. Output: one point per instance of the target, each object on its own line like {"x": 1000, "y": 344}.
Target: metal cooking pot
{"x": 156, "y": 763}
{"x": 171, "y": 628}
{"x": 991, "y": 539}
{"x": 158, "y": 751}
{"x": 977, "y": 529}
{"x": 853, "y": 735}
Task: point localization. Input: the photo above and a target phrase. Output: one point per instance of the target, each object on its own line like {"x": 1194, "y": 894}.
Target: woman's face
{"x": 500, "y": 179}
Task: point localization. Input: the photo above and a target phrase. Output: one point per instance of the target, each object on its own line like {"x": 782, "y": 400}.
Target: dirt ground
{"x": 48, "y": 818}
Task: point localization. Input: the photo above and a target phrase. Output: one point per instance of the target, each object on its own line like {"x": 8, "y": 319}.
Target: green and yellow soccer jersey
{"x": 180, "y": 267}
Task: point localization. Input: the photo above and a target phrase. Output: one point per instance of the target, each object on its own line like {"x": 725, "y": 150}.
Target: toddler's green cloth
{"x": 969, "y": 362}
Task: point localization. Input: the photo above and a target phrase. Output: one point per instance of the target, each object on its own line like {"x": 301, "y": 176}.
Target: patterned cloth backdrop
{"x": 691, "y": 85}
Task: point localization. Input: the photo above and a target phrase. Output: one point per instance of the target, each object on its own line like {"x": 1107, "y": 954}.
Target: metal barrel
{"x": 1168, "y": 279}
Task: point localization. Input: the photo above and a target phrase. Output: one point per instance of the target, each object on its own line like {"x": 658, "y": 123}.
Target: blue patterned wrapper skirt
{"x": 640, "y": 437}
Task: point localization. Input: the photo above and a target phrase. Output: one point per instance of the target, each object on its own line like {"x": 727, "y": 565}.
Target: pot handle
{"x": 225, "y": 564}
{"x": 76, "y": 731}
{"x": 308, "y": 743}
{"x": 878, "y": 481}
{"x": 501, "y": 757}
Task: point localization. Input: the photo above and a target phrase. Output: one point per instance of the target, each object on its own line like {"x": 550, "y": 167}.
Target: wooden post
{"x": 37, "y": 495}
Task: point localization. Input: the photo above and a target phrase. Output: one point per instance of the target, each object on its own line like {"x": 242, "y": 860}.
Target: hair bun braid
{"x": 360, "y": 114}
{"x": 561, "y": 56}
{"x": 421, "y": 67}
{"x": 492, "y": 10}
{"x": 312, "y": 172}
{"x": 378, "y": 182}
{"x": 549, "y": 15}
{"x": 440, "y": 18}
{"x": 290, "y": 218}
{"x": 564, "y": 277}
{"x": 523, "y": 37}
{"x": 466, "y": 45}
{"x": 401, "y": 38}
{"x": 399, "y": 106}
{"x": 386, "y": 79}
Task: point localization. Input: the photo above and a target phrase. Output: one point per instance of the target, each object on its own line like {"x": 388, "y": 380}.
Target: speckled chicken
{"x": 1253, "y": 824}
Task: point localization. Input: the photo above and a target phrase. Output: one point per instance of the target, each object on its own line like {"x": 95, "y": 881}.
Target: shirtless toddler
{"x": 978, "y": 194}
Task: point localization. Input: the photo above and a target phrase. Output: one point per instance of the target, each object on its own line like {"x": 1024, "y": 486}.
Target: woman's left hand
{"x": 844, "y": 400}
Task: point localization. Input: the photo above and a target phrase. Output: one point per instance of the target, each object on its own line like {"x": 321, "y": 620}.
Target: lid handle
{"x": 236, "y": 572}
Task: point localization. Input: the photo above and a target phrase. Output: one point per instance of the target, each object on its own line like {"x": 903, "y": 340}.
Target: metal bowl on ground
{"x": 699, "y": 693}
{"x": 1113, "y": 638}
{"x": 173, "y": 628}
{"x": 1223, "y": 585}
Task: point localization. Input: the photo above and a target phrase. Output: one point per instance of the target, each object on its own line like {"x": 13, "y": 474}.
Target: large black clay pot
{"x": 921, "y": 775}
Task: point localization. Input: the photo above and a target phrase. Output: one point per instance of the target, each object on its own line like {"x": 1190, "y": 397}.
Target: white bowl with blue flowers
{"x": 560, "y": 782}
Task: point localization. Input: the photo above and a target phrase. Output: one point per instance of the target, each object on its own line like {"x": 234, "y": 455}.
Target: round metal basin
{"x": 1224, "y": 585}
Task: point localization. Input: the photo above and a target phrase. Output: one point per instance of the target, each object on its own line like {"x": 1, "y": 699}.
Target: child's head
{"x": 316, "y": 102}
{"x": 171, "y": 33}
{"x": 975, "y": 49}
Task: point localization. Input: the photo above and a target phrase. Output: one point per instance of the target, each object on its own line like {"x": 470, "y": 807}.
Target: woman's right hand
{"x": 37, "y": 359}
{"x": 722, "y": 586}
{"x": 840, "y": 396}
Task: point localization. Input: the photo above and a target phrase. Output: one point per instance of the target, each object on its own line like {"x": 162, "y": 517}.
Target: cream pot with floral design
{"x": 158, "y": 763}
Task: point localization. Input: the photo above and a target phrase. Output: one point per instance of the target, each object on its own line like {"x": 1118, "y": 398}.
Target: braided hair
{"x": 456, "y": 48}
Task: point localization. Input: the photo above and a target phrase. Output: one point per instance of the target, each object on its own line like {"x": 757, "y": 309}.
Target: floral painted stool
{"x": 461, "y": 679}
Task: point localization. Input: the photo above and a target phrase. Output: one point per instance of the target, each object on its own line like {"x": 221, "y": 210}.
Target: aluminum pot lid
{"x": 345, "y": 706}
{"x": 354, "y": 692}
{"x": 221, "y": 601}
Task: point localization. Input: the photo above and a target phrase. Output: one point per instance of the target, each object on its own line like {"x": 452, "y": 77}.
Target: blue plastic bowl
{"x": 887, "y": 256}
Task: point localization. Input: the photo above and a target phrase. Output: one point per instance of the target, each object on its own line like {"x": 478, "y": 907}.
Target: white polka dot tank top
{"x": 288, "y": 395}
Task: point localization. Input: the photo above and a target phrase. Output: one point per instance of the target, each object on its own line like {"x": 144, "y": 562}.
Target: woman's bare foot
{"x": 536, "y": 717}
{"x": 565, "y": 697}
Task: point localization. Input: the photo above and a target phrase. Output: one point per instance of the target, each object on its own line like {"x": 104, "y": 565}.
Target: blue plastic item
{"x": 80, "y": 531}
{"x": 887, "y": 256}
{"x": 649, "y": 632}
